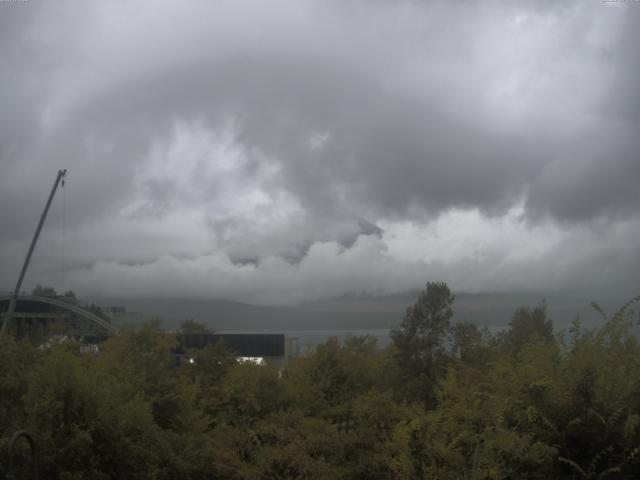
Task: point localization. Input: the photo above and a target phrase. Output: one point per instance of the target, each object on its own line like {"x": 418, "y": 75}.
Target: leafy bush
{"x": 524, "y": 404}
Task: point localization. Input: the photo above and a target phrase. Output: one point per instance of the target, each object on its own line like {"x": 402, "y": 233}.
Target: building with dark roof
{"x": 275, "y": 348}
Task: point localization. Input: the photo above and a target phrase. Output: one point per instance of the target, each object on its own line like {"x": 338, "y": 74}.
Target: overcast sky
{"x": 280, "y": 151}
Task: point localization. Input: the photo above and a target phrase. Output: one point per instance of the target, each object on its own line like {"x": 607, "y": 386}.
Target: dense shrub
{"x": 521, "y": 405}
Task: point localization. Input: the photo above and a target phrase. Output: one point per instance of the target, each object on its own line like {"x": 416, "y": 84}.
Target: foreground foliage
{"x": 523, "y": 404}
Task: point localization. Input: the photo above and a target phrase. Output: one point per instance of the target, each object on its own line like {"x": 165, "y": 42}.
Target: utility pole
{"x": 14, "y": 298}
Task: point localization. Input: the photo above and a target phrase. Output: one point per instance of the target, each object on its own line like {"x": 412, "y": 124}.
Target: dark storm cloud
{"x": 597, "y": 175}
{"x": 274, "y": 129}
{"x": 390, "y": 149}
{"x": 599, "y": 180}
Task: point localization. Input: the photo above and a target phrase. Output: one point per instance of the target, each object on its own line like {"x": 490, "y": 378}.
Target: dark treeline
{"x": 442, "y": 402}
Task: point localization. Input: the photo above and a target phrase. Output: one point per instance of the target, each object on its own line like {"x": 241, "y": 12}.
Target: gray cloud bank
{"x": 293, "y": 150}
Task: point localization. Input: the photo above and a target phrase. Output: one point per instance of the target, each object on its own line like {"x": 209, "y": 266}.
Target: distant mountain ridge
{"x": 351, "y": 312}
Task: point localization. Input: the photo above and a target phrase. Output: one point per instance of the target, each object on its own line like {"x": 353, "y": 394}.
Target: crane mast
{"x": 14, "y": 298}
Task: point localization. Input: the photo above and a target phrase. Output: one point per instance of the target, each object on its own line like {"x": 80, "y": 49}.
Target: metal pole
{"x": 16, "y": 292}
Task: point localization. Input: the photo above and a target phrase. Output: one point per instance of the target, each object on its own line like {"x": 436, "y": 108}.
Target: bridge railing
{"x": 70, "y": 307}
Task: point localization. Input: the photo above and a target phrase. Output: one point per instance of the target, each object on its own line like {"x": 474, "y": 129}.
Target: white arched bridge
{"x": 82, "y": 312}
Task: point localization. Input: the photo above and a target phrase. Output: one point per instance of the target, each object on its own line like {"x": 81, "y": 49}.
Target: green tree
{"x": 468, "y": 344}
{"x": 420, "y": 339}
{"x": 86, "y": 423}
{"x": 529, "y": 324}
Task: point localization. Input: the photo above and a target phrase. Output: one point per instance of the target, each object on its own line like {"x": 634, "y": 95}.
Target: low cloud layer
{"x": 286, "y": 151}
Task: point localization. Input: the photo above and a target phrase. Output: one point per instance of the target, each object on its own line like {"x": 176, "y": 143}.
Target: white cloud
{"x": 238, "y": 149}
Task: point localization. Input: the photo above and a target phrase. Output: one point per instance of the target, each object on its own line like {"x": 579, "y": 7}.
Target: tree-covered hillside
{"x": 442, "y": 402}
